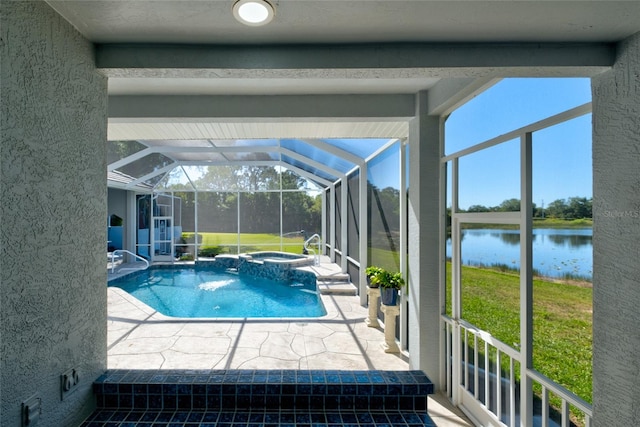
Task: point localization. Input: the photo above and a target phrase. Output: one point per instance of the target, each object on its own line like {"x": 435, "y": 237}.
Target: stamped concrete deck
{"x": 141, "y": 338}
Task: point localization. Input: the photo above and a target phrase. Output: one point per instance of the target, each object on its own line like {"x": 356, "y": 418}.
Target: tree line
{"x": 253, "y": 209}
{"x": 570, "y": 208}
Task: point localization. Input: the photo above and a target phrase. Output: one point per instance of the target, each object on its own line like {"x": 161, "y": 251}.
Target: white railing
{"x": 485, "y": 369}
{"x": 117, "y": 252}
{"x": 316, "y": 255}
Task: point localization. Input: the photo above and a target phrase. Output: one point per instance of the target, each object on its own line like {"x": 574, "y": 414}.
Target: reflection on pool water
{"x": 200, "y": 293}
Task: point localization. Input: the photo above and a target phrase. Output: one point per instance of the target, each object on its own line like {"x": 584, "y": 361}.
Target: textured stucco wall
{"x": 616, "y": 240}
{"x": 52, "y": 228}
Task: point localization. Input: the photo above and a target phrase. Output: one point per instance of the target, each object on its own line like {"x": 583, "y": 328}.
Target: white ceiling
{"x": 333, "y": 24}
{"x": 348, "y": 21}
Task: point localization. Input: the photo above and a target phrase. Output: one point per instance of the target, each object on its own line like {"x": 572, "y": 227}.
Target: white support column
{"x": 195, "y": 226}
{"x": 363, "y": 227}
{"x": 323, "y": 232}
{"x": 344, "y": 236}
{"x": 131, "y": 223}
{"x": 424, "y": 238}
{"x": 404, "y": 333}
{"x": 455, "y": 280}
{"x": 526, "y": 281}
{"x": 238, "y": 219}
{"x": 332, "y": 225}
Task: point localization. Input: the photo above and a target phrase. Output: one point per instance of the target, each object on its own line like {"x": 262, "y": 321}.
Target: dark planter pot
{"x": 388, "y": 296}
{"x": 369, "y": 283}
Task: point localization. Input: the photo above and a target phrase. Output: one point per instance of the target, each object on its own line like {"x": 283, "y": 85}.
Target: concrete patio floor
{"x": 139, "y": 337}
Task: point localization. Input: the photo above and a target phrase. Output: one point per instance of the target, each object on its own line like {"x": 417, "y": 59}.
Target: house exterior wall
{"x": 52, "y": 235}
{"x": 616, "y": 237}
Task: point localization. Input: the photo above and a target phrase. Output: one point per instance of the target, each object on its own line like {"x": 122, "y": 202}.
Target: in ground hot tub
{"x": 272, "y": 264}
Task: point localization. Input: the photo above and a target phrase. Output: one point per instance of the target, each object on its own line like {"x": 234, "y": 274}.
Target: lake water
{"x": 556, "y": 252}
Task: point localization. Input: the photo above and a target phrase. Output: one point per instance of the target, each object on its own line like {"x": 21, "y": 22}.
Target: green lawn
{"x": 562, "y": 323}
{"x": 228, "y": 242}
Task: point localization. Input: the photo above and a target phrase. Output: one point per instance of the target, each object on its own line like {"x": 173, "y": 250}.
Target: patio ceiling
{"x": 322, "y": 70}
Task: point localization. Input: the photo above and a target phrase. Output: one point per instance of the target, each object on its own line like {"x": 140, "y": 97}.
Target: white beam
{"x": 216, "y": 108}
{"x": 381, "y": 149}
{"x": 151, "y": 175}
{"x": 312, "y": 163}
{"x": 129, "y": 159}
{"x": 322, "y": 145}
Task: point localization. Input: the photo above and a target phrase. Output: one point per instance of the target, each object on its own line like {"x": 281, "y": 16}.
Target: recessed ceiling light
{"x": 253, "y": 12}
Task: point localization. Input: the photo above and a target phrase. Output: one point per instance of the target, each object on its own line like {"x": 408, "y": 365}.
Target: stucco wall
{"x": 52, "y": 228}
{"x": 616, "y": 240}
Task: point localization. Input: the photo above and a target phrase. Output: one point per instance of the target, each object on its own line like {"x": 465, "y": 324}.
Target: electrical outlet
{"x": 69, "y": 381}
{"x": 31, "y": 409}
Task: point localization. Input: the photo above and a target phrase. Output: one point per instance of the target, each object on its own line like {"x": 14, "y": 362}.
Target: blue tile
{"x": 225, "y": 417}
{"x": 273, "y": 389}
{"x": 304, "y": 389}
{"x": 169, "y": 389}
{"x": 213, "y": 389}
{"x": 134, "y": 416}
{"x": 241, "y": 417}
{"x": 125, "y": 401}
{"x": 349, "y": 389}
{"x": 184, "y": 389}
{"x": 271, "y": 418}
{"x": 119, "y": 416}
{"x": 148, "y": 416}
{"x": 125, "y": 388}
{"x": 272, "y": 401}
{"x": 154, "y": 401}
{"x": 169, "y": 402}
{"x": 210, "y": 417}
{"x": 199, "y": 401}
{"x": 154, "y": 388}
{"x": 164, "y": 417}
{"x": 287, "y": 417}
{"x": 255, "y": 389}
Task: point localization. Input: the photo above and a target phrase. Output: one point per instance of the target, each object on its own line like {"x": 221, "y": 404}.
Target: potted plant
{"x": 390, "y": 284}
{"x": 371, "y": 272}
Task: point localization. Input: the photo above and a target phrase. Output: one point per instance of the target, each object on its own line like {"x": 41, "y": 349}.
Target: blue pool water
{"x": 196, "y": 293}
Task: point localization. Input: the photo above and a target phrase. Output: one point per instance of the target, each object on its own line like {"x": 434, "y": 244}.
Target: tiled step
{"x": 254, "y": 418}
{"x": 272, "y": 398}
{"x": 262, "y": 389}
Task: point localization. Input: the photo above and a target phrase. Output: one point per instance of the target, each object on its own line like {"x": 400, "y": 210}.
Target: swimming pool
{"x": 205, "y": 293}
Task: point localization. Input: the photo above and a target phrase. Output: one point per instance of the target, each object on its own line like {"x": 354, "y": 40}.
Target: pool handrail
{"x": 316, "y": 255}
{"x": 120, "y": 251}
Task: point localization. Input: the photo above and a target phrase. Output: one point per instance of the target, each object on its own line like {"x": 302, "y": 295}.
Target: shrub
{"x": 210, "y": 251}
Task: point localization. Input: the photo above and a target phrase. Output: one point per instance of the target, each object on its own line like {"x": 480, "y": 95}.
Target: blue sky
{"x": 561, "y": 155}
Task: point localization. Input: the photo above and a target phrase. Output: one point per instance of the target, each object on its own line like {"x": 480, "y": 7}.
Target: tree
{"x": 509, "y": 205}
{"x": 579, "y": 207}
{"x": 478, "y": 208}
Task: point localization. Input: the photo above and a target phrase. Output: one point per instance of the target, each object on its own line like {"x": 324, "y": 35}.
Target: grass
{"x": 540, "y": 223}
{"x": 562, "y": 322}
{"x": 228, "y": 242}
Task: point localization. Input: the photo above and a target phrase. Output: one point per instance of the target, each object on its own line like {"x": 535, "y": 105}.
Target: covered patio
{"x": 129, "y": 111}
